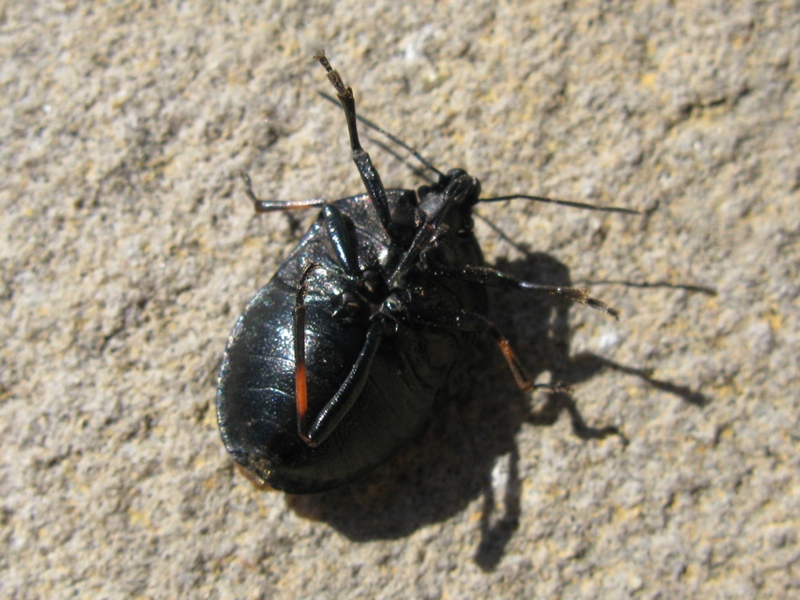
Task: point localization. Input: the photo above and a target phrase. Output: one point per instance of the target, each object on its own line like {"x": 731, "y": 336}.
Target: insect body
{"x": 336, "y": 363}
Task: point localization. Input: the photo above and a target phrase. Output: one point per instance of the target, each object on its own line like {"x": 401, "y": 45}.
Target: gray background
{"x": 129, "y": 248}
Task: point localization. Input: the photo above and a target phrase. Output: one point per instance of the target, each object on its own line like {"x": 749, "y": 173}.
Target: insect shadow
{"x": 475, "y": 426}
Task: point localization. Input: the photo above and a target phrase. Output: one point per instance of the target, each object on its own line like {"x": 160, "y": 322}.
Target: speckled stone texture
{"x": 129, "y": 248}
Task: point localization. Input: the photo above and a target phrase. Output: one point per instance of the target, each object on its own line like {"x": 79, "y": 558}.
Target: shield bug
{"x": 337, "y": 361}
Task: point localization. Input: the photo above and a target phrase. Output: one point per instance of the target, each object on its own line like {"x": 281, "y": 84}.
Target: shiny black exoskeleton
{"x": 336, "y": 363}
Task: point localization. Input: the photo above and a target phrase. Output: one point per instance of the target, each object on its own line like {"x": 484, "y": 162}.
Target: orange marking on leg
{"x": 301, "y": 396}
{"x": 517, "y": 370}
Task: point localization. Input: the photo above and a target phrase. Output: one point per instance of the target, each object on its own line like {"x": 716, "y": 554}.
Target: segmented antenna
{"x": 569, "y": 203}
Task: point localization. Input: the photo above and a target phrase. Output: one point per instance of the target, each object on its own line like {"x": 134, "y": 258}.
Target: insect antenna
{"x": 393, "y": 138}
{"x": 569, "y": 203}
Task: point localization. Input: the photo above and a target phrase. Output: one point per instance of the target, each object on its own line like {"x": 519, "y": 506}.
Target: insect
{"x": 337, "y": 361}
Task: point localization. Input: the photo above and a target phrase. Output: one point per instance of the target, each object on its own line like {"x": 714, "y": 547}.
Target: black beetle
{"x": 336, "y": 363}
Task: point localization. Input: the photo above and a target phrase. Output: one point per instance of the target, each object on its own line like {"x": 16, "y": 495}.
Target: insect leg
{"x": 425, "y": 162}
{"x": 315, "y": 432}
{"x": 467, "y": 321}
{"x": 346, "y": 251}
{"x": 300, "y": 375}
{"x": 369, "y": 175}
{"x": 344, "y": 245}
{"x": 333, "y": 412}
{"x": 275, "y": 205}
{"x": 495, "y": 278}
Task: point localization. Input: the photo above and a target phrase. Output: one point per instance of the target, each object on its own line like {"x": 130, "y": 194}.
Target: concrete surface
{"x": 129, "y": 248}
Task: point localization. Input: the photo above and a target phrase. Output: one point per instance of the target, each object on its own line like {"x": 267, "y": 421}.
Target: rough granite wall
{"x": 128, "y": 248}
